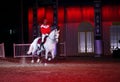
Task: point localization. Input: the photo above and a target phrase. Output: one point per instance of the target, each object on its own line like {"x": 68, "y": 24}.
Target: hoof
{"x": 38, "y": 60}
{"x": 32, "y": 61}
{"x": 49, "y": 59}
{"x": 45, "y": 64}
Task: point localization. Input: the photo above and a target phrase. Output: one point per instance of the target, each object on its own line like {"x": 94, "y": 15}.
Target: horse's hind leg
{"x": 33, "y": 54}
{"x": 32, "y": 61}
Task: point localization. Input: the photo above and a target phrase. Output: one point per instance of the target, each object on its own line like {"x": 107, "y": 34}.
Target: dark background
{"x": 10, "y": 25}
{"x": 13, "y": 14}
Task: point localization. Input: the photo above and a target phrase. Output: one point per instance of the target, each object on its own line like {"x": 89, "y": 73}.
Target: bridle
{"x": 55, "y": 39}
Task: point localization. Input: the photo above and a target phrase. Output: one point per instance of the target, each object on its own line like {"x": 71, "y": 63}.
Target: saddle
{"x": 40, "y": 40}
{"x": 41, "y": 43}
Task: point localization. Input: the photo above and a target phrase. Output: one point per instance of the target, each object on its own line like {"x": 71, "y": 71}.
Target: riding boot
{"x": 39, "y": 47}
{"x": 42, "y": 45}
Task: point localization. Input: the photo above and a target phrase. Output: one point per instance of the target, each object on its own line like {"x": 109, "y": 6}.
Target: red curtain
{"x": 111, "y": 13}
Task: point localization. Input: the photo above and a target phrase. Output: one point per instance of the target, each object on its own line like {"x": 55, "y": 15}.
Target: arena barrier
{"x": 2, "y": 50}
{"x": 20, "y": 50}
{"x": 62, "y": 49}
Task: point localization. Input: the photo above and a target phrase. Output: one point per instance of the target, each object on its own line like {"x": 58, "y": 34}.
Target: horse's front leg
{"x": 52, "y": 53}
{"x": 46, "y": 57}
{"x": 38, "y": 59}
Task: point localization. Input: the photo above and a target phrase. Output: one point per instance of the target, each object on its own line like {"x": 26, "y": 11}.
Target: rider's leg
{"x": 43, "y": 36}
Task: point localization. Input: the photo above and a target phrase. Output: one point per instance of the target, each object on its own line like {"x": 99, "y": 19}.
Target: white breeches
{"x": 43, "y": 36}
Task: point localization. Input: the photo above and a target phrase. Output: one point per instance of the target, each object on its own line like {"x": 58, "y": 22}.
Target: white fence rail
{"x": 2, "y": 50}
{"x": 20, "y": 50}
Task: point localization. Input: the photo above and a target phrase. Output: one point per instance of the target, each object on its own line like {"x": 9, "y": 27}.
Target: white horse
{"x": 49, "y": 45}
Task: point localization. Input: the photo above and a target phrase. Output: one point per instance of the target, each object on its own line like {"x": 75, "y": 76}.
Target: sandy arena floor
{"x": 60, "y": 70}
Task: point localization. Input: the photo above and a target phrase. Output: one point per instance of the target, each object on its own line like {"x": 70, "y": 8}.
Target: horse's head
{"x": 54, "y": 35}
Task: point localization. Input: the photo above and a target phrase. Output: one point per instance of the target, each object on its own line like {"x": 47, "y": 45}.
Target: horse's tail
{"x": 30, "y": 49}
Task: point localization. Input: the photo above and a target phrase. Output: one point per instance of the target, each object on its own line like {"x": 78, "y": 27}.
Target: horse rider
{"x": 45, "y": 30}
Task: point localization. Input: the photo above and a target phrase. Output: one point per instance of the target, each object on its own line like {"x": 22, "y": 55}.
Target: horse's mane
{"x": 52, "y": 31}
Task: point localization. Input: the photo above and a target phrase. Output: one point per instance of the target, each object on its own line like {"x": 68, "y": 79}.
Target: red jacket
{"x": 45, "y": 29}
